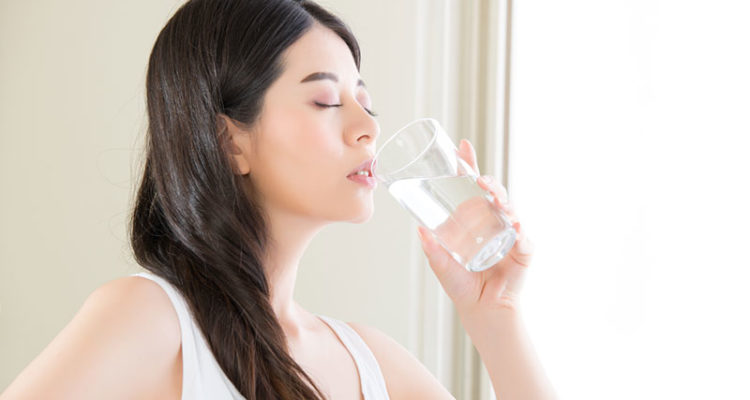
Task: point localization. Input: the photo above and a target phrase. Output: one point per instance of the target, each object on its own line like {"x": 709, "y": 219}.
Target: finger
{"x": 489, "y": 183}
{"x": 523, "y": 249}
{"x": 500, "y": 195}
{"x": 467, "y": 152}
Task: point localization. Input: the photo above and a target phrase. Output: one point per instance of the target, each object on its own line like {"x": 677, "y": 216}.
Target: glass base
{"x": 493, "y": 251}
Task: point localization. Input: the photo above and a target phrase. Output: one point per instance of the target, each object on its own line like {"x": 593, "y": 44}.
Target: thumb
{"x": 454, "y": 278}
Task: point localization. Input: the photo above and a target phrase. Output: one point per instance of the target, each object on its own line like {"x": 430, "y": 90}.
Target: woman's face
{"x": 302, "y": 152}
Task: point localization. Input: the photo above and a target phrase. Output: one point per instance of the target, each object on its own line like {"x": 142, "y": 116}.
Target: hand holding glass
{"x": 422, "y": 169}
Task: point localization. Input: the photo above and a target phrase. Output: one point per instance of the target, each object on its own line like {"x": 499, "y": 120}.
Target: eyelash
{"x": 321, "y": 105}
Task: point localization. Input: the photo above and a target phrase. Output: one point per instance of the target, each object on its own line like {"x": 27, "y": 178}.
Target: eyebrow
{"x": 317, "y": 76}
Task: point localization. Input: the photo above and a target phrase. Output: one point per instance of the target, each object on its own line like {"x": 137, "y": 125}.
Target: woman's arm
{"x": 487, "y": 303}
{"x": 506, "y": 351}
{"x": 124, "y": 343}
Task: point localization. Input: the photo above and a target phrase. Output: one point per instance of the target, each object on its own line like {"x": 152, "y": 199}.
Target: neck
{"x": 290, "y": 236}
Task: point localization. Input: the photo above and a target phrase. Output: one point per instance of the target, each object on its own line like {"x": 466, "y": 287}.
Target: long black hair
{"x": 195, "y": 222}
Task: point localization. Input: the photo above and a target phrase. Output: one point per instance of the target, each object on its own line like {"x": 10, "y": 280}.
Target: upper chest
{"x": 327, "y": 361}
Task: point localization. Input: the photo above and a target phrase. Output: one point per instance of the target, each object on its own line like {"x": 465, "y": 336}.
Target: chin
{"x": 363, "y": 216}
{"x": 362, "y": 220}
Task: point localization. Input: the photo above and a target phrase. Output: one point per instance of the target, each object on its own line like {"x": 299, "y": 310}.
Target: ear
{"x": 236, "y": 142}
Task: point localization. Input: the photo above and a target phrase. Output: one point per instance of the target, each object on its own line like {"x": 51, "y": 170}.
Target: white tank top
{"x": 203, "y": 378}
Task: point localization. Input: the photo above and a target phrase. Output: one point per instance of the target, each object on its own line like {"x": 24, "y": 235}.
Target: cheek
{"x": 312, "y": 149}
{"x": 319, "y": 160}
{"x": 304, "y": 162}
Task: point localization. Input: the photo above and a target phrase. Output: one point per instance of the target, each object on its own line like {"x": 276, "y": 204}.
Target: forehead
{"x": 319, "y": 50}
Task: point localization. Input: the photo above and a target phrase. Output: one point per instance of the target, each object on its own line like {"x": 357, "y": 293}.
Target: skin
{"x": 125, "y": 340}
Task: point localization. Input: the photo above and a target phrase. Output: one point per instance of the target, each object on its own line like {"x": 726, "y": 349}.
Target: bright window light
{"x": 630, "y": 169}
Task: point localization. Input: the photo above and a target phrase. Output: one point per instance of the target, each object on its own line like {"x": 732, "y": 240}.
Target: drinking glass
{"x": 422, "y": 169}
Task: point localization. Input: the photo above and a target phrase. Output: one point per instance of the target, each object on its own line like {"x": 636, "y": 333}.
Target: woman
{"x": 257, "y": 116}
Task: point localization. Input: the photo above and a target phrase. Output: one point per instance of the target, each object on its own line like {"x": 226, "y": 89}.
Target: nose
{"x": 362, "y": 129}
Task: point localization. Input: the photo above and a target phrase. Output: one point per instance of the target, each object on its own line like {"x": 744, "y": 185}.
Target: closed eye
{"x": 321, "y": 105}
{"x": 327, "y": 105}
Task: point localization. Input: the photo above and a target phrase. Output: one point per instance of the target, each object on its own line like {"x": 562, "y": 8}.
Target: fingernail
{"x": 422, "y": 235}
{"x": 423, "y": 243}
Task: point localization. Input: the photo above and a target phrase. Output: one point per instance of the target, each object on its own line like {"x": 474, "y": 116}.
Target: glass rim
{"x": 398, "y": 132}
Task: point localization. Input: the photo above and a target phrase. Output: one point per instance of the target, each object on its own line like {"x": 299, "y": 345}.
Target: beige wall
{"x": 71, "y": 123}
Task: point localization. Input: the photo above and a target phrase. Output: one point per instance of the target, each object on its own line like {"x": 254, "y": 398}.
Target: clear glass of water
{"x": 421, "y": 168}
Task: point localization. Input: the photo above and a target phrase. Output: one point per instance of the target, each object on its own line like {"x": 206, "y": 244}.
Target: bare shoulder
{"x": 405, "y": 376}
{"x": 124, "y": 342}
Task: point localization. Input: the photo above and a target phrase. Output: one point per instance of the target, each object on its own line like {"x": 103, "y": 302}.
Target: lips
{"x": 365, "y": 166}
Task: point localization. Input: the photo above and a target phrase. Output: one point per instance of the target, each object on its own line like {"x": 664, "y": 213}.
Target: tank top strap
{"x": 202, "y": 377}
{"x": 370, "y": 375}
